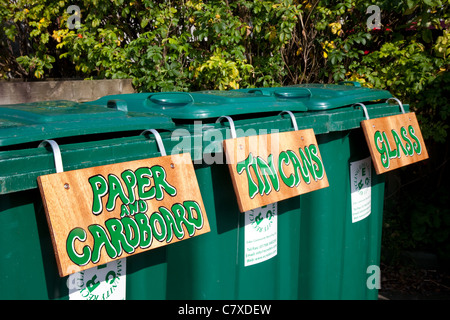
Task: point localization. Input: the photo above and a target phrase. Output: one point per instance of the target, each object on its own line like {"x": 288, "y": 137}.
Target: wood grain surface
{"x": 394, "y": 141}
{"x": 68, "y": 198}
{"x": 294, "y": 142}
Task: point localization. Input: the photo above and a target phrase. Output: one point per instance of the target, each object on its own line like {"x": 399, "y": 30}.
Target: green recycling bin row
{"x": 309, "y": 247}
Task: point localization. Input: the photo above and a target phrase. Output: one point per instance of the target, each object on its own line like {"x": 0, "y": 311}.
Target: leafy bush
{"x": 193, "y": 45}
{"x": 189, "y": 45}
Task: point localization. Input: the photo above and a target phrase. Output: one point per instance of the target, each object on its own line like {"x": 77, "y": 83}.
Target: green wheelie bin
{"x": 87, "y": 136}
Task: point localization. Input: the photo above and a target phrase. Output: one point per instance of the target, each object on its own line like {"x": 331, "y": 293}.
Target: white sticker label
{"x": 260, "y": 234}
{"x": 105, "y": 282}
{"x": 361, "y": 188}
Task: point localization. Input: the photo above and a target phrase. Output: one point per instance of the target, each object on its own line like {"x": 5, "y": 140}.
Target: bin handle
{"x": 354, "y": 83}
{"x": 117, "y": 104}
{"x": 259, "y": 91}
{"x": 294, "y": 121}
{"x": 399, "y": 102}
{"x": 171, "y": 98}
{"x": 366, "y": 114}
{"x": 294, "y": 93}
{"x": 56, "y": 154}
{"x": 158, "y": 140}
{"x": 232, "y": 128}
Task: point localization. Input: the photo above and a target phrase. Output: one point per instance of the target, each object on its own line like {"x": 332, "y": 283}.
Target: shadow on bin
{"x": 213, "y": 267}
{"x": 337, "y": 252}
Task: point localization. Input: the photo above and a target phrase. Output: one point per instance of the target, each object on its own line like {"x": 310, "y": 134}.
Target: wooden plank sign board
{"x": 100, "y": 214}
{"x": 394, "y": 141}
{"x": 273, "y": 167}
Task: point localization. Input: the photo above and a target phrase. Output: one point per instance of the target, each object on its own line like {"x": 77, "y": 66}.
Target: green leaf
{"x": 144, "y": 22}
{"x": 411, "y": 3}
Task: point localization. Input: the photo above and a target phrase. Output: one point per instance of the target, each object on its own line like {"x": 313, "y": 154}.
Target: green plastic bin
{"x": 88, "y": 136}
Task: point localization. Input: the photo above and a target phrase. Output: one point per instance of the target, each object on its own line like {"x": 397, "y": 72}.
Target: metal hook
{"x": 158, "y": 140}
{"x": 294, "y": 121}
{"x": 399, "y": 102}
{"x": 232, "y": 128}
{"x": 366, "y": 114}
{"x": 56, "y": 154}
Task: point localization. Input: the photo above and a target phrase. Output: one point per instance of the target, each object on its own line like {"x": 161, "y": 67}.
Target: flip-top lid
{"x": 318, "y": 97}
{"x": 37, "y": 121}
{"x": 205, "y": 104}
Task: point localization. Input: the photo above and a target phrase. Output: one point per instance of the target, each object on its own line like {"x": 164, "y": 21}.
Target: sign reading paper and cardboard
{"x": 394, "y": 141}
{"x": 100, "y": 214}
{"x": 273, "y": 167}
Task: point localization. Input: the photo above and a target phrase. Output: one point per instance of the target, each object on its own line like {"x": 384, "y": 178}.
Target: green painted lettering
{"x": 169, "y": 224}
{"x": 307, "y": 167}
{"x": 180, "y": 212}
{"x": 392, "y": 153}
{"x": 192, "y": 206}
{"x": 159, "y": 177}
{"x": 398, "y": 143}
{"x": 130, "y": 181}
{"x": 245, "y": 165}
{"x": 124, "y": 211}
{"x": 143, "y": 176}
{"x": 115, "y": 190}
{"x": 318, "y": 166}
{"x": 142, "y": 206}
{"x": 284, "y": 158}
{"x": 99, "y": 189}
{"x": 381, "y": 147}
{"x": 118, "y": 240}
{"x": 266, "y": 169}
{"x": 132, "y": 232}
{"x": 409, "y": 147}
{"x": 160, "y": 233}
{"x": 416, "y": 145}
{"x": 134, "y": 208}
{"x": 100, "y": 239}
{"x": 78, "y": 259}
{"x": 145, "y": 231}
{"x": 297, "y": 166}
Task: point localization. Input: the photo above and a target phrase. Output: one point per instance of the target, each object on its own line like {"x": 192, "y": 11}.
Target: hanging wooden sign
{"x": 273, "y": 167}
{"x": 394, "y": 141}
{"x": 100, "y": 214}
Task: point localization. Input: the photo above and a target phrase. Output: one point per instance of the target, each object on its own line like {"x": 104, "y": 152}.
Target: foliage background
{"x": 194, "y": 45}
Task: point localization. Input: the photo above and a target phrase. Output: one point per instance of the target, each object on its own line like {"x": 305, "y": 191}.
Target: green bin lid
{"x": 37, "y": 121}
{"x": 204, "y": 104}
{"x": 318, "y": 97}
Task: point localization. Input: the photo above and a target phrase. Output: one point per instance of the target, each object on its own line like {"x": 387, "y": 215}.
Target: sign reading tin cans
{"x": 394, "y": 141}
{"x": 105, "y": 213}
{"x": 273, "y": 167}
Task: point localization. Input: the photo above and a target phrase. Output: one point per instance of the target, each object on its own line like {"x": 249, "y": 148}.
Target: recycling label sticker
{"x": 261, "y": 234}
{"x": 105, "y": 282}
{"x": 361, "y": 188}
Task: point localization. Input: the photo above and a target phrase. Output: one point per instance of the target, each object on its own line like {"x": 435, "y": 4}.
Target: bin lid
{"x": 37, "y": 121}
{"x": 332, "y": 96}
{"x": 318, "y": 97}
{"x": 205, "y": 104}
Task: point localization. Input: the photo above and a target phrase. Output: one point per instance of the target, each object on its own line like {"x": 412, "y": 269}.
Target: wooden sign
{"x": 273, "y": 167}
{"x": 100, "y": 214}
{"x": 394, "y": 141}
